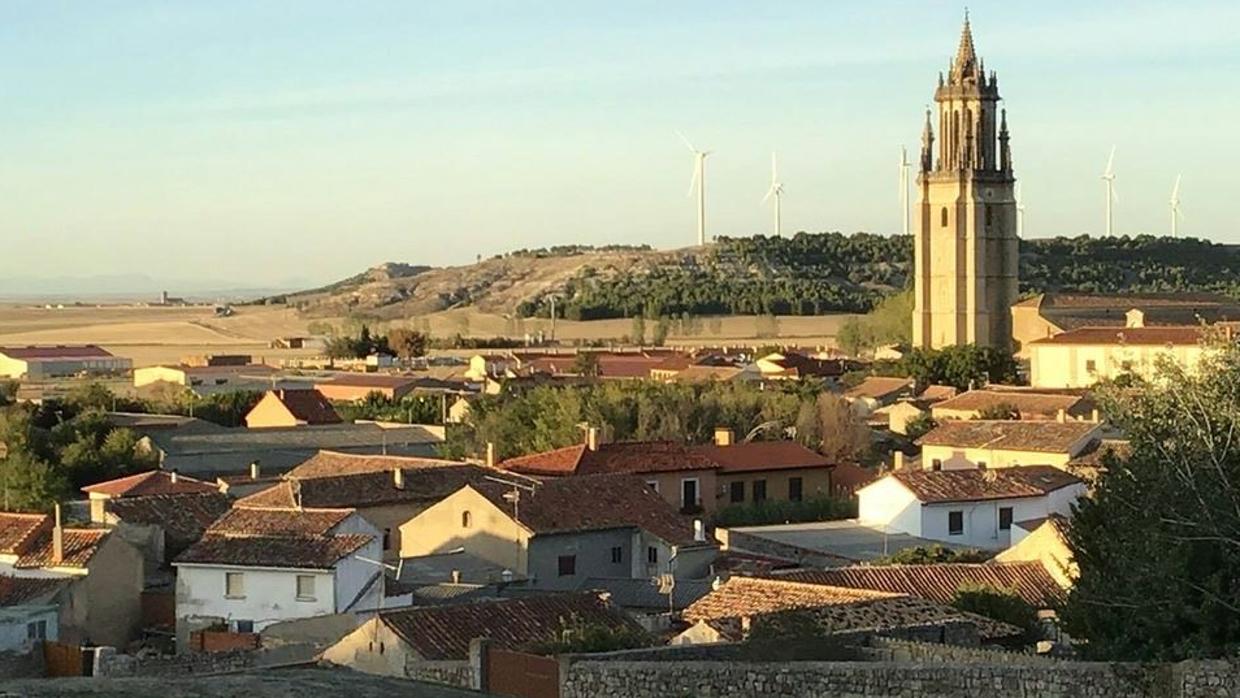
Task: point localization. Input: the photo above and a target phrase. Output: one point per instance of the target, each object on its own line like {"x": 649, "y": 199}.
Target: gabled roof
{"x": 80, "y": 545}
{"x": 939, "y": 582}
{"x": 308, "y": 406}
{"x": 305, "y": 552}
{"x": 444, "y": 632}
{"x": 750, "y": 596}
{"x": 150, "y": 482}
{"x": 879, "y": 387}
{"x": 975, "y": 485}
{"x": 288, "y": 522}
{"x": 751, "y": 456}
{"x": 48, "y": 353}
{"x": 334, "y": 463}
{"x": 619, "y": 457}
{"x": 363, "y": 489}
{"x": 591, "y": 503}
{"x": 1187, "y": 335}
{"x": 19, "y": 531}
{"x": 1009, "y": 435}
{"x": 1027, "y": 403}
{"x": 17, "y": 591}
{"x": 183, "y": 517}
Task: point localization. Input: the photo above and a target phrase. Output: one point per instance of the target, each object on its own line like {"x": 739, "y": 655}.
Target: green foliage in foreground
{"x": 1003, "y": 605}
{"x": 578, "y": 637}
{"x": 778, "y": 512}
{"x": 935, "y": 554}
{"x": 960, "y": 366}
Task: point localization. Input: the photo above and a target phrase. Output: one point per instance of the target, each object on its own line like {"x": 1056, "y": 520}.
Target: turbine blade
{"x": 1175, "y": 192}
{"x": 1110, "y": 163}
{"x": 686, "y": 142}
{"x": 693, "y": 179}
{"x": 768, "y": 194}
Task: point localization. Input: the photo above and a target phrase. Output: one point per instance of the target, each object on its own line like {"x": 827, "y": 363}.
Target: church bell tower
{"x": 965, "y": 244}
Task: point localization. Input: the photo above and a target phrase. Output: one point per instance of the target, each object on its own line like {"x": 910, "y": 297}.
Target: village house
{"x": 43, "y": 362}
{"x": 975, "y": 508}
{"x": 752, "y": 472}
{"x": 1082, "y": 357}
{"x": 206, "y": 379}
{"x": 291, "y": 408}
{"x": 435, "y": 641}
{"x": 386, "y": 491}
{"x": 791, "y": 365}
{"x": 254, "y": 567}
{"x": 355, "y": 387}
{"x": 28, "y": 614}
{"x": 954, "y": 444}
{"x": 99, "y": 601}
{"x": 564, "y": 530}
{"x": 877, "y": 391}
{"x": 1027, "y": 405}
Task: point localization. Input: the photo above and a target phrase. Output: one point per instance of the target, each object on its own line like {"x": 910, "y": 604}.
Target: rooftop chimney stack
{"x": 256, "y": 470}
{"x": 1061, "y": 416}
{"x": 58, "y": 540}
{"x": 1094, "y": 416}
{"x": 897, "y": 460}
{"x": 490, "y": 454}
{"x": 456, "y": 576}
{"x": 172, "y": 476}
{"x": 724, "y": 436}
{"x": 398, "y": 478}
{"x": 699, "y": 531}
{"x": 592, "y": 438}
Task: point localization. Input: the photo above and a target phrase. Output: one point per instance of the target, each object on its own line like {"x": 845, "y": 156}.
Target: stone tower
{"x": 965, "y": 244}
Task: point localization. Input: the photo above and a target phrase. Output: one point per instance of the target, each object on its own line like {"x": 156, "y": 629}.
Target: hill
{"x": 807, "y": 274}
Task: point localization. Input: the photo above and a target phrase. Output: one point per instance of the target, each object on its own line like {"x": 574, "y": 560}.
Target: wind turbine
{"x": 1108, "y": 176}
{"x": 1175, "y": 208}
{"x": 777, "y": 191}
{"x": 904, "y": 180}
{"x": 1020, "y": 212}
{"x": 699, "y": 181}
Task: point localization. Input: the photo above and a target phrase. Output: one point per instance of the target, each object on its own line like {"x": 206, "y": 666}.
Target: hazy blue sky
{"x": 260, "y": 141}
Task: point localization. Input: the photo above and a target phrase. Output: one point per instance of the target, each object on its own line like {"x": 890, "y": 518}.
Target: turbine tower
{"x": 1108, "y": 176}
{"x": 698, "y": 181}
{"x": 776, "y": 191}
{"x": 904, "y": 181}
{"x": 1020, "y": 213}
{"x": 1175, "y": 208}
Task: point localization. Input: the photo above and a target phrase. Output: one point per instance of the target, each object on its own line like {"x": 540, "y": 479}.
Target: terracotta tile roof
{"x": 940, "y": 582}
{"x": 151, "y": 482}
{"x": 750, "y": 456}
{"x": 1093, "y": 455}
{"x": 593, "y": 503}
{"x": 19, "y": 531}
{"x": 183, "y": 517}
{"x": 619, "y": 457}
{"x": 937, "y": 393}
{"x": 940, "y": 486}
{"x": 1127, "y": 301}
{"x": 80, "y": 545}
{"x": 421, "y": 485}
{"x": 33, "y": 353}
{"x": 332, "y": 463}
{"x": 1137, "y": 336}
{"x": 750, "y": 596}
{"x": 707, "y": 373}
{"x": 444, "y": 632}
{"x": 370, "y": 380}
{"x": 305, "y": 552}
{"x": 16, "y": 591}
{"x": 879, "y": 387}
{"x": 851, "y": 476}
{"x": 307, "y": 406}
{"x": 1008, "y": 435}
{"x": 245, "y": 521}
{"x": 803, "y": 366}
{"x": 1026, "y": 403}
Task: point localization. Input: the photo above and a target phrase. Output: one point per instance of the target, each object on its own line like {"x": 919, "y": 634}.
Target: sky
{"x": 265, "y": 142}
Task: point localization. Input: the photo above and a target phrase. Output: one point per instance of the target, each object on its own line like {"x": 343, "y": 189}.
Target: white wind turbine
{"x": 904, "y": 181}
{"x": 1108, "y": 176}
{"x": 776, "y": 191}
{"x": 699, "y": 181}
{"x": 1175, "y": 208}
{"x": 1020, "y": 212}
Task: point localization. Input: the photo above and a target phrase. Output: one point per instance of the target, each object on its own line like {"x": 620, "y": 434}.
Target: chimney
{"x": 897, "y": 460}
{"x": 699, "y": 531}
{"x": 1134, "y": 318}
{"x": 724, "y": 436}
{"x": 1093, "y": 416}
{"x": 490, "y": 454}
{"x": 1061, "y": 416}
{"x": 398, "y": 478}
{"x": 592, "y": 438}
{"x": 58, "y": 540}
{"x": 255, "y": 470}
{"x": 172, "y": 476}
{"x": 456, "y": 576}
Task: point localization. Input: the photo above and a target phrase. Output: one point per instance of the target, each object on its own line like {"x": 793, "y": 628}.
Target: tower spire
{"x": 966, "y": 54}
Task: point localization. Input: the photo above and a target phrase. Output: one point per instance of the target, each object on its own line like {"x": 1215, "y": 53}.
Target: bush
{"x": 777, "y": 512}
{"x": 934, "y": 554}
{"x": 996, "y": 603}
{"x": 579, "y": 637}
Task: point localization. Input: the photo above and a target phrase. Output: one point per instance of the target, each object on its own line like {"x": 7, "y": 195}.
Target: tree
{"x": 586, "y": 364}
{"x": 407, "y": 343}
{"x": 840, "y": 435}
{"x": 577, "y": 636}
{"x": 935, "y": 554}
{"x": 919, "y": 426}
{"x": 962, "y": 366}
{"x": 661, "y": 329}
{"x": 29, "y": 484}
{"x": 1001, "y": 411}
{"x": 1003, "y": 605}
{"x": 8, "y": 391}
{"x": 1158, "y": 543}
{"x": 638, "y": 333}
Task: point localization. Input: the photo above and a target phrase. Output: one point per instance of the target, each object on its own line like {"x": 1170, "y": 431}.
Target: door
{"x": 689, "y": 495}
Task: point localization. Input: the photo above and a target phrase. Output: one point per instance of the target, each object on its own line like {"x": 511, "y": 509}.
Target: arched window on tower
{"x": 943, "y": 217}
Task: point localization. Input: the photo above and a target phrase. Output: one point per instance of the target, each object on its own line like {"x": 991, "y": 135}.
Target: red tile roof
{"x": 305, "y": 552}
{"x": 19, "y": 531}
{"x": 16, "y": 591}
{"x": 1026, "y": 403}
{"x": 444, "y": 632}
{"x": 243, "y": 521}
{"x": 879, "y": 387}
{"x": 750, "y": 456}
{"x": 940, "y": 582}
{"x": 183, "y": 517}
{"x": 370, "y": 380}
{"x": 620, "y": 457}
{"x": 940, "y": 486}
{"x": 751, "y": 596}
{"x": 592, "y": 503}
{"x": 364, "y": 489}
{"x": 151, "y": 482}
{"x": 86, "y": 351}
{"x": 1008, "y": 435}
{"x": 1136, "y": 336}
{"x": 80, "y": 545}
{"x": 308, "y": 406}
{"x": 333, "y": 463}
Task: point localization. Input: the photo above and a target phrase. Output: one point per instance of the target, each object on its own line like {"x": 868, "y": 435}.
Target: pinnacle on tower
{"x": 966, "y": 55}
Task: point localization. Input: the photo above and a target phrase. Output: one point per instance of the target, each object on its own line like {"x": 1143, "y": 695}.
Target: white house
{"x": 38, "y": 363}
{"x": 255, "y": 567}
{"x": 23, "y": 626}
{"x": 974, "y": 508}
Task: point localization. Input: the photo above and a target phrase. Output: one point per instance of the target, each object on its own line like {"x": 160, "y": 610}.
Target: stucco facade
{"x": 490, "y": 534}
{"x": 815, "y": 482}
{"x": 953, "y": 458}
{"x": 1053, "y": 365}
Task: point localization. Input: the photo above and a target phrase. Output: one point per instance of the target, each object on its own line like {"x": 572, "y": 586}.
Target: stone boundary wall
{"x": 461, "y": 674}
{"x": 23, "y": 665}
{"x": 1053, "y": 679}
{"x": 733, "y": 539}
{"x": 109, "y": 663}
{"x": 890, "y": 649}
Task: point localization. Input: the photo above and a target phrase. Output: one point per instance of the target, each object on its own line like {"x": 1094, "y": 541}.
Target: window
{"x": 234, "y": 585}
{"x": 759, "y": 491}
{"x": 617, "y": 555}
{"x": 936, "y": 464}
{"x": 652, "y": 555}
{"x": 795, "y": 489}
{"x": 653, "y": 484}
{"x": 736, "y": 491}
{"x": 943, "y": 217}
{"x": 1005, "y": 518}
{"x": 467, "y": 519}
{"x": 305, "y": 587}
{"x": 1091, "y": 366}
{"x": 387, "y": 539}
{"x": 567, "y": 565}
{"x": 243, "y": 626}
{"x": 36, "y": 630}
{"x": 955, "y": 523}
{"x": 989, "y": 215}
{"x": 689, "y": 493}
{"x": 981, "y": 465}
